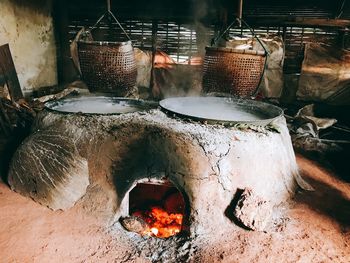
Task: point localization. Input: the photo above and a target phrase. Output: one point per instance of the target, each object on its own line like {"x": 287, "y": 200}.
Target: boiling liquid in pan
{"x": 217, "y": 111}
{"x": 99, "y": 106}
{"x": 221, "y": 112}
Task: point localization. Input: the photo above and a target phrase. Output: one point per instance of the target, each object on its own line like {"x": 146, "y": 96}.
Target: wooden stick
{"x": 9, "y": 72}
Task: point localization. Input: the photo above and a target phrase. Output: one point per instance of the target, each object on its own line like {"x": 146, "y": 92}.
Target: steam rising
{"x": 200, "y": 11}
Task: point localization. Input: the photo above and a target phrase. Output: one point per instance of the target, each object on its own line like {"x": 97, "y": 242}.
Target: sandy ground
{"x": 315, "y": 229}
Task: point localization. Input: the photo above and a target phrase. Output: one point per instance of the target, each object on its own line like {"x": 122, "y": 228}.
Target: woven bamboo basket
{"x": 105, "y": 66}
{"x": 108, "y": 66}
{"x": 233, "y": 71}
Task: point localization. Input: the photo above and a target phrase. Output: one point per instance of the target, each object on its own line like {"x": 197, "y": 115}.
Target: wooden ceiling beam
{"x": 299, "y": 21}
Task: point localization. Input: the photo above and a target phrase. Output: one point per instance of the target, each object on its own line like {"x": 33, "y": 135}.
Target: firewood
{"x": 135, "y": 224}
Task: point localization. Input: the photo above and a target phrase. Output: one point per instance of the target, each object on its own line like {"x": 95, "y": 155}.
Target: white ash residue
{"x": 179, "y": 248}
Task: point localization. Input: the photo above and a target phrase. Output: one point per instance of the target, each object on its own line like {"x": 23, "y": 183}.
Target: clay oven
{"x": 122, "y": 166}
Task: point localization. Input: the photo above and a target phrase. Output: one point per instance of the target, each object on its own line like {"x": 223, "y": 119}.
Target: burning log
{"x": 154, "y": 221}
{"x": 135, "y": 224}
{"x": 164, "y": 224}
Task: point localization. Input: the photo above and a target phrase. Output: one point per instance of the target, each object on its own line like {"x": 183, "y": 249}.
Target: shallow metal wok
{"x": 222, "y": 110}
{"x": 98, "y": 105}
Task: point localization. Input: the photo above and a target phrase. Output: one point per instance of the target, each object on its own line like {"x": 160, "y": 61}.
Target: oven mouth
{"x": 156, "y": 208}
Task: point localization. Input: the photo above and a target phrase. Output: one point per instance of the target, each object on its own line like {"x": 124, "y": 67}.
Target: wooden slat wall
{"x": 176, "y": 33}
{"x": 296, "y": 8}
{"x": 179, "y": 40}
{"x": 176, "y": 39}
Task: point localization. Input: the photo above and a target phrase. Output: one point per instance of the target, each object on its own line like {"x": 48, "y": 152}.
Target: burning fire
{"x": 161, "y": 223}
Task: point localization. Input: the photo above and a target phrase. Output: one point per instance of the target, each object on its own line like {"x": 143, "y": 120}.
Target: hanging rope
{"x": 109, "y": 13}
{"x": 250, "y": 29}
{"x": 341, "y": 9}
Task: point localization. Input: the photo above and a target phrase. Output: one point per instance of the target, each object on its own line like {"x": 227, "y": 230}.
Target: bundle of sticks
{"x": 19, "y": 114}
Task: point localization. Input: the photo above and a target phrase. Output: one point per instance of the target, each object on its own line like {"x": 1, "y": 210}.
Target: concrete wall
{"x": 28, "y": 28}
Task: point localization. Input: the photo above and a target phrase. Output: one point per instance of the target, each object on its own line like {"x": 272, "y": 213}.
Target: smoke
{"x": 199, "y": 9}
{"x": 200, "y": 14}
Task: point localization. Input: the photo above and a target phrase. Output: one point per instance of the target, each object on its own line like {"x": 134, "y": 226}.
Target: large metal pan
{"x": 222, "y": 110}
{"x": 98, "y": 105}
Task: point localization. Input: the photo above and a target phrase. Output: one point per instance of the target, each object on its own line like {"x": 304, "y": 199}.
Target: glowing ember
{"x": 154, "y": 231}
{"x": 160, "y": 222}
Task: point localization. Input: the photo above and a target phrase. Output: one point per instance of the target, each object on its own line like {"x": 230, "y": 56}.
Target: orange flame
{"x": 160, "y": 222}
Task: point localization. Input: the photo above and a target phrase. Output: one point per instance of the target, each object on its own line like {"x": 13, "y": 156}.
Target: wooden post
{"x": 341, "y": 38}
{"x": 65, "y": 67}
{"x": 284, "y": 33}
{"x": 154, "y": 50}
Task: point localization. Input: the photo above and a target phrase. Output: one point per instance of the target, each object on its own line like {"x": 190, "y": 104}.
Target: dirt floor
{"x": 315, "y": 229}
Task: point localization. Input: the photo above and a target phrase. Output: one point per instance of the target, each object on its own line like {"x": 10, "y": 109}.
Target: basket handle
{"x": 109, "y": 13}
{"x": 240, "y": 20}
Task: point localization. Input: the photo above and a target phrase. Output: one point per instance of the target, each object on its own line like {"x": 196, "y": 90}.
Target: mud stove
{"x": 165, "y": 186}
